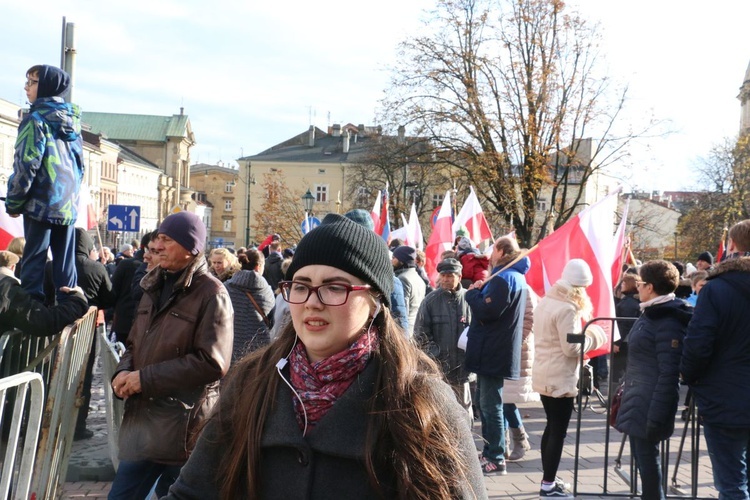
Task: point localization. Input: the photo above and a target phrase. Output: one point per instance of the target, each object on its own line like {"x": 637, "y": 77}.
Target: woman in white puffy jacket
{"x": 563, "y": 310}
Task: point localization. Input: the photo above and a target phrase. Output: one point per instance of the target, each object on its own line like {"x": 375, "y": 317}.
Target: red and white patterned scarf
{"x": 319, "y": 385}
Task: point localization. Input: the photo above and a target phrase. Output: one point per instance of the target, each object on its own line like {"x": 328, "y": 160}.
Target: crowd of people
{"x": 333, "y": 368}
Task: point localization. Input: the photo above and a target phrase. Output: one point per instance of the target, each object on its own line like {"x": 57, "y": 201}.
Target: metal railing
{"x": 109, "y": 355}
{"x": 68, "y": 365}
{"x": 691, "y": 426}
{"x": 23, "y": 431}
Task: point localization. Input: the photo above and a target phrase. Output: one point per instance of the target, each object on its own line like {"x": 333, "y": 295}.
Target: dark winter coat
{"x": 126, "y": 303}
{"x": 496, "y": 331}
{"x": 441, "y": 318}
{"x": 651, "y": 391}
{"x": 398, "y": 304}
{"x": 629, "y": 306}
{"x": 93, "y": 277}
{"x": 250, "y": 331}
{"x": 48, "y": 163}
{"x": 181, "y": 350}
{"x": 716, "y": 358}
{"x": 272, "y": 270}
{"x": 329, "y": 462}
{"x": 19, "y": 310}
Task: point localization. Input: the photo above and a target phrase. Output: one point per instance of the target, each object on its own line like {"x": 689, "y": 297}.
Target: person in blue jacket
{"x": 493, "y": 349}
{"x": 46, "y": 180}
{"x": 716, "y": 364}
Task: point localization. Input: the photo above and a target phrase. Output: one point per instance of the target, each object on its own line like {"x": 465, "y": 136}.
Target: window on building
{"x": 228, "y": 186}
{"x": 227, "y": 205}
{"x": 227, "y": 225}
{"x": 321, "y": 192}
{"x": 321, "y": 171}
{"x": 437, "y": 200}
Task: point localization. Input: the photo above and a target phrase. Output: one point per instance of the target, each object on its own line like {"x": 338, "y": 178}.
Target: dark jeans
{"x": 728, "y": 449}
{"x": 134, "y": 480}
{"x": 646, "y": 454}
{"x": 83, "y": 411}
{"x": 558, "y": 411}
{"x": 41, "y": 236}
{"x": 512, "y": 415}
{"x": 490, "y": 396}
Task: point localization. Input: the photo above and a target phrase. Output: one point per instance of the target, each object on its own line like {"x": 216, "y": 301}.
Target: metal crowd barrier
{"x": 68, "y": 366}
{"x": 109, "y": 354}
{"x": 23, "y": 432}
{"x": 691, "y": 426}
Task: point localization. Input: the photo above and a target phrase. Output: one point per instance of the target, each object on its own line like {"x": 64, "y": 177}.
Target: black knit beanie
{"x": 342, "y": 243}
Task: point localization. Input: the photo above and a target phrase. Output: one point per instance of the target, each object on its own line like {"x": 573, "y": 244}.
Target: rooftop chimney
{"x": 311, "y": 137}
{"x": 401, "y": 133}
{"x": 336, "y": 130}
{"x": 346, "y": 142}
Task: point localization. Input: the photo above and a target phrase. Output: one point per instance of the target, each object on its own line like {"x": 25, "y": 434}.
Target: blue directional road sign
{"x": 309, "y": 223}
{"x": 124, "y": 218}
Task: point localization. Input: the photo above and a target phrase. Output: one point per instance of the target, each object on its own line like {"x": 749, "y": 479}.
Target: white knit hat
{"x": 577, "y": 273}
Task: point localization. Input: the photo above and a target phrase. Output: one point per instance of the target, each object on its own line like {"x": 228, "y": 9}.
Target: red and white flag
{"x": 441, "y": 239}
{"x": 587, "y": 236}
{"x": 375, "y": 213}
{"x": 621, "y": 247}
{"x": 415, "y": 229}
{"x": 86, "y": 213}
{"x": 9, "y": 227}
{"x": 471, "y": 216}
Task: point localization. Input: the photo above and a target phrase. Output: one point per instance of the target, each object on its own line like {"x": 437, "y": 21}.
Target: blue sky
{"x": 252, "y": 74}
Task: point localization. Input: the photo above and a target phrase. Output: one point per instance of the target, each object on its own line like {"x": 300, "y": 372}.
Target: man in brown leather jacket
{"x": 178, "y": 349}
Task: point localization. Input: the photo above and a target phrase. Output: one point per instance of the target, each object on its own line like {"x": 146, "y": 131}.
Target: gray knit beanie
{"x": 342, "y": 243}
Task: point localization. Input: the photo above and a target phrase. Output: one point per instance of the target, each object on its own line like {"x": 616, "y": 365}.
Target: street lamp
{"x": 307, "y": 201}
{"x": 675, "y": 245}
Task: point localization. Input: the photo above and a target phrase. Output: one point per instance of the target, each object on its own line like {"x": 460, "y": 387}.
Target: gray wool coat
{"x": 250, "y": 331}
{"x": 329, "y": 463}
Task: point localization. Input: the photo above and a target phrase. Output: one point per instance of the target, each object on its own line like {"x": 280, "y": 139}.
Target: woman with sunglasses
{"x": 341, "y": 405}
{"x": 651, "y": 384}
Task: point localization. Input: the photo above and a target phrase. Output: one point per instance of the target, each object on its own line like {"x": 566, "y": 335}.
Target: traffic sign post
{"x": 309, "y": 223}
{"x": 126, "y": 218}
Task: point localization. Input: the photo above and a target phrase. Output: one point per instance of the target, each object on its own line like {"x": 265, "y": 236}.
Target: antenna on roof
{"x": 309, "y": 115}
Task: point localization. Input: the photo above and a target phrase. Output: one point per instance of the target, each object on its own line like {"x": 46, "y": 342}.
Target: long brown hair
{"x": 407, "y": 432}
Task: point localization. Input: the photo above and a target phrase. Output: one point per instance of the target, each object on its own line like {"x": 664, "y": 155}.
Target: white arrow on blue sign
{"x": 309, "y": 223}
{"x": 124, "y": 218}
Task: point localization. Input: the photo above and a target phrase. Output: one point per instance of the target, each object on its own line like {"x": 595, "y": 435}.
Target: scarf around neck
{"x": 661, "y": 299}
{"x": 320, "y": 385}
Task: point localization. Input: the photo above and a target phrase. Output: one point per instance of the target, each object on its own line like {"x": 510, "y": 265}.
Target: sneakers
{"x": 490, "y": 467}
{"x": 561, "y": 483}
{"x": 557, "y": 491}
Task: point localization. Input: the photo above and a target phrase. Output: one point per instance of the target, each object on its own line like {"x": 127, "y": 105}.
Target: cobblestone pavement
{"x": 91, "y": 470}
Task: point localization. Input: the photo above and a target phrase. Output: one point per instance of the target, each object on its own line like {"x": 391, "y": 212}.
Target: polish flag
{"x": 621, "y": 245}
{"x": 415, "y": 229}
{"x": 384, "y": 221}
{"x": 9, "y": 227}
{"x": 472, "y": 217}
{"x": 441, "y": 239}
{"x": 375, "y": 212}
{"x": 402, "y": 233}
{"x": 86, "y": 213}
{"x": 586, "y": 236}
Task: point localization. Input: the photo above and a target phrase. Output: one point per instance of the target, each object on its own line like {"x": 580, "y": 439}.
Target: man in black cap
{"x": 178, "y": 349}
{"x": 441, "y": 318}
{"x": 705, "y": 262}
{"x": 405, "y": 266}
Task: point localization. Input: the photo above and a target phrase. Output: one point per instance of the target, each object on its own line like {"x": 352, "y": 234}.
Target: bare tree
{"x": 280, "y": 212}
{"x": 508, "y": 90}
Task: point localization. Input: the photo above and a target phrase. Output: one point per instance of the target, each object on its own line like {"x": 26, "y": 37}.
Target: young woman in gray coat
{"x": 341, "y": 405}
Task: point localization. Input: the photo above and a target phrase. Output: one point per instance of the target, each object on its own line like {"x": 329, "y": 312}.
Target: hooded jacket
{"x": 250, "y": 331}
{"x": 651, "y": 386}
{"x": 48, "y": 162}
{"x": 93, "y": 277}
{"x": 494, "y": 343}
{"x": 716, "y": 356}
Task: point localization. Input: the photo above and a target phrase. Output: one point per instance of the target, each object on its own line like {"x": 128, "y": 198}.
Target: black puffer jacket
{"x": 651, "y": 391}
{"x": 93, "y": 277}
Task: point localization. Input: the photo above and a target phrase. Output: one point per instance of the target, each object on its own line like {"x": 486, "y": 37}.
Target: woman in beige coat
{"x": 564, "y": 310}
